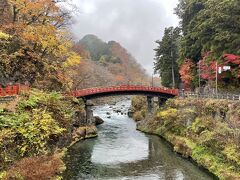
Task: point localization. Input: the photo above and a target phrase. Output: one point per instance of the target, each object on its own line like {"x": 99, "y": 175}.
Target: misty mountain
{"x": 118, "y": 65}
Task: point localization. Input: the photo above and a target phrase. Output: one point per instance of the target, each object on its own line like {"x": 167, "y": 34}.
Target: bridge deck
{"x": 123, "y": 89}
{"x": 13, "y": 90}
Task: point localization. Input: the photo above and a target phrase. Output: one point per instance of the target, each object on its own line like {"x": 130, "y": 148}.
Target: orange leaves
{"x": 119, "y": 78}
{"x": 42, "y": 46}
{"x": 37, "y": 25}
{"x": 40, "y": 11}
{"x": 186, "y": 72}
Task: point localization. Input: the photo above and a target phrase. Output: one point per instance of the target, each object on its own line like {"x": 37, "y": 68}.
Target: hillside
{"x": 106, "y": 64}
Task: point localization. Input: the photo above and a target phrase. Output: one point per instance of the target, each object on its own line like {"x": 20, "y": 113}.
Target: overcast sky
{"x": 135, "y": 24}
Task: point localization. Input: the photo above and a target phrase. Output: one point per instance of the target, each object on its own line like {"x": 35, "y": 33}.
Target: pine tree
{"x": 166, "y": 57}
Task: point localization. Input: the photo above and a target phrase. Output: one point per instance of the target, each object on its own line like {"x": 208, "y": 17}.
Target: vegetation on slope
{"x": 208, "y": 131}
{"x": 39, "y": 124}
{"x": 106, "y": 64}
{"x": 139, "y": 107}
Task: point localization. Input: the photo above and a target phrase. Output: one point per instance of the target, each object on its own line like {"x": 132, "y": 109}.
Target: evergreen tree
{"x": 209, "y": 25}
{"x": 187, "y": 11}
{"x": 166, "y": 57}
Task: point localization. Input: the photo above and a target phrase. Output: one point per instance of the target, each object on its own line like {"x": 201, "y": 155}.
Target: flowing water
{"x": 120, "y": 152}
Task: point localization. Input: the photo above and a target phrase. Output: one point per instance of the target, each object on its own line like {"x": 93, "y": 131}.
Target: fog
{"x": 136, "y": 24}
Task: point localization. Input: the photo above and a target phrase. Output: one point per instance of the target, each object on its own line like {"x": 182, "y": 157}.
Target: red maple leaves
{"x": 208, "y": 66}
{"x": 187, "y": 73}
{"x": 233, "y": 61}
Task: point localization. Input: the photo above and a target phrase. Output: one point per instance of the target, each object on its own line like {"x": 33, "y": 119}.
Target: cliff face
{"x": 5, "y": 12}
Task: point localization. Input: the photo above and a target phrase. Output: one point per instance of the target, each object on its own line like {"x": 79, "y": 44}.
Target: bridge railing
{"x": 89, "y": 91}
{"x": 234, "y": 97}
{"x": 13, "y": 90}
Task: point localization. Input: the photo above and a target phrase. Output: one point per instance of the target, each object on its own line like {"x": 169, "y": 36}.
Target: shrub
{"x": 137, "y": 116}
{"x": 36, "y": 126}
{"x": 36, "y": 168}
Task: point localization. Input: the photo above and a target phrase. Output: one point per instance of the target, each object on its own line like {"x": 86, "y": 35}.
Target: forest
{"x": 206, "y": 40}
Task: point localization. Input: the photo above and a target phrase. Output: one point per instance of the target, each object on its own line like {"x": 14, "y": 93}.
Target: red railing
{"x": 122, "y": 88}
{"x": 13, "y": 90}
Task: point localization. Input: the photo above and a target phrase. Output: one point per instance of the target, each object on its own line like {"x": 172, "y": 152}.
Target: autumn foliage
{"x": 187, "y": 72}
{"x": 38, "y": 46}
{"x": 228, "y": 67}
{"x": 32, "y": 168}
{"x": 208, "y": 67}
{"x": 234, "y": 62}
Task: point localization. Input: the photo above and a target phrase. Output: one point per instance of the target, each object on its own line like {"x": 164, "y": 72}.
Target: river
{"x": 122, "y": 153}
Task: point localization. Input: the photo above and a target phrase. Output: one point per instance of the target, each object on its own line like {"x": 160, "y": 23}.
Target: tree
{"x": 187, "y": 11}
{"x": 209, "y": 25}
{"x": 39, "y": 47}
{"x": 217, "y": 27}
{"x": 187, "y": 73}
{"x": 208, "y": 67}
{"x": 166, "y": 57}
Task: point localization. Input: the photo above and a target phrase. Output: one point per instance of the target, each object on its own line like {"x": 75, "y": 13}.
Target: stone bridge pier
{"x": 89, "y": 119}
{"x": 161, "y": 101}
{"x": 150, "y": 103}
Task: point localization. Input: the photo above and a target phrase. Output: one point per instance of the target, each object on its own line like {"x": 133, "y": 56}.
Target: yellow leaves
{"x": 170, "y": 113}
{"x": 4, "y": 36}
{"x": 36, "y": 11}
{"x": 72, "y": 60}
{"x": 43, "y": 35}
{"x": 38, "y": 27}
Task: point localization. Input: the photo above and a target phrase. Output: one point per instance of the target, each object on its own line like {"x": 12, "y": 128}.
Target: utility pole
{"x": 216, "y": 78}
{"x": 152, "y": 80}
{"x": 199, "y": 76}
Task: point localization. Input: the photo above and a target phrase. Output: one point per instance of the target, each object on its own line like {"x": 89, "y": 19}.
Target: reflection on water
{"x": 121, "y": 152}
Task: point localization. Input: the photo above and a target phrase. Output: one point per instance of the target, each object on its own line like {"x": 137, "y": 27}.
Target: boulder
{"x": 98, "y": 120}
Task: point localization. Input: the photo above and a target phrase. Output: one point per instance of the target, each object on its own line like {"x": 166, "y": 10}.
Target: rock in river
{"x": 98, "y": 120}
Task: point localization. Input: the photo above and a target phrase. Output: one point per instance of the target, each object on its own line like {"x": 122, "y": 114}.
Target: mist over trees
{"x": 105, "y": 64}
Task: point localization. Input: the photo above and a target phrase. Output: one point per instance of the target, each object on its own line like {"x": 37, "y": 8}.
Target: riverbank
{"x": 35, "y": 129}
{"x": 205, "y": 130}
{"x": 121, "y": 152}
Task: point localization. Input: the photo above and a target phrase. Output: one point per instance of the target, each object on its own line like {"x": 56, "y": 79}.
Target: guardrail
{"x": 235, "y": 97}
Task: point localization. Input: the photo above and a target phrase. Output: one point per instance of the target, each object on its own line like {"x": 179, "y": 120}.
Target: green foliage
{"x": 198, "y": 128}
{"x": 95, "y": 46}
{"x": 167, "y": 55}
{"x": 36, "y": 126}
{"x": 104, "y": 59}
{"x": 209, "y": 26}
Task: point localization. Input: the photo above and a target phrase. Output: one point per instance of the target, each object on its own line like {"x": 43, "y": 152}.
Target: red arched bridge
{"x": 124, "y": 90}
{"x": 12, "y": 90}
